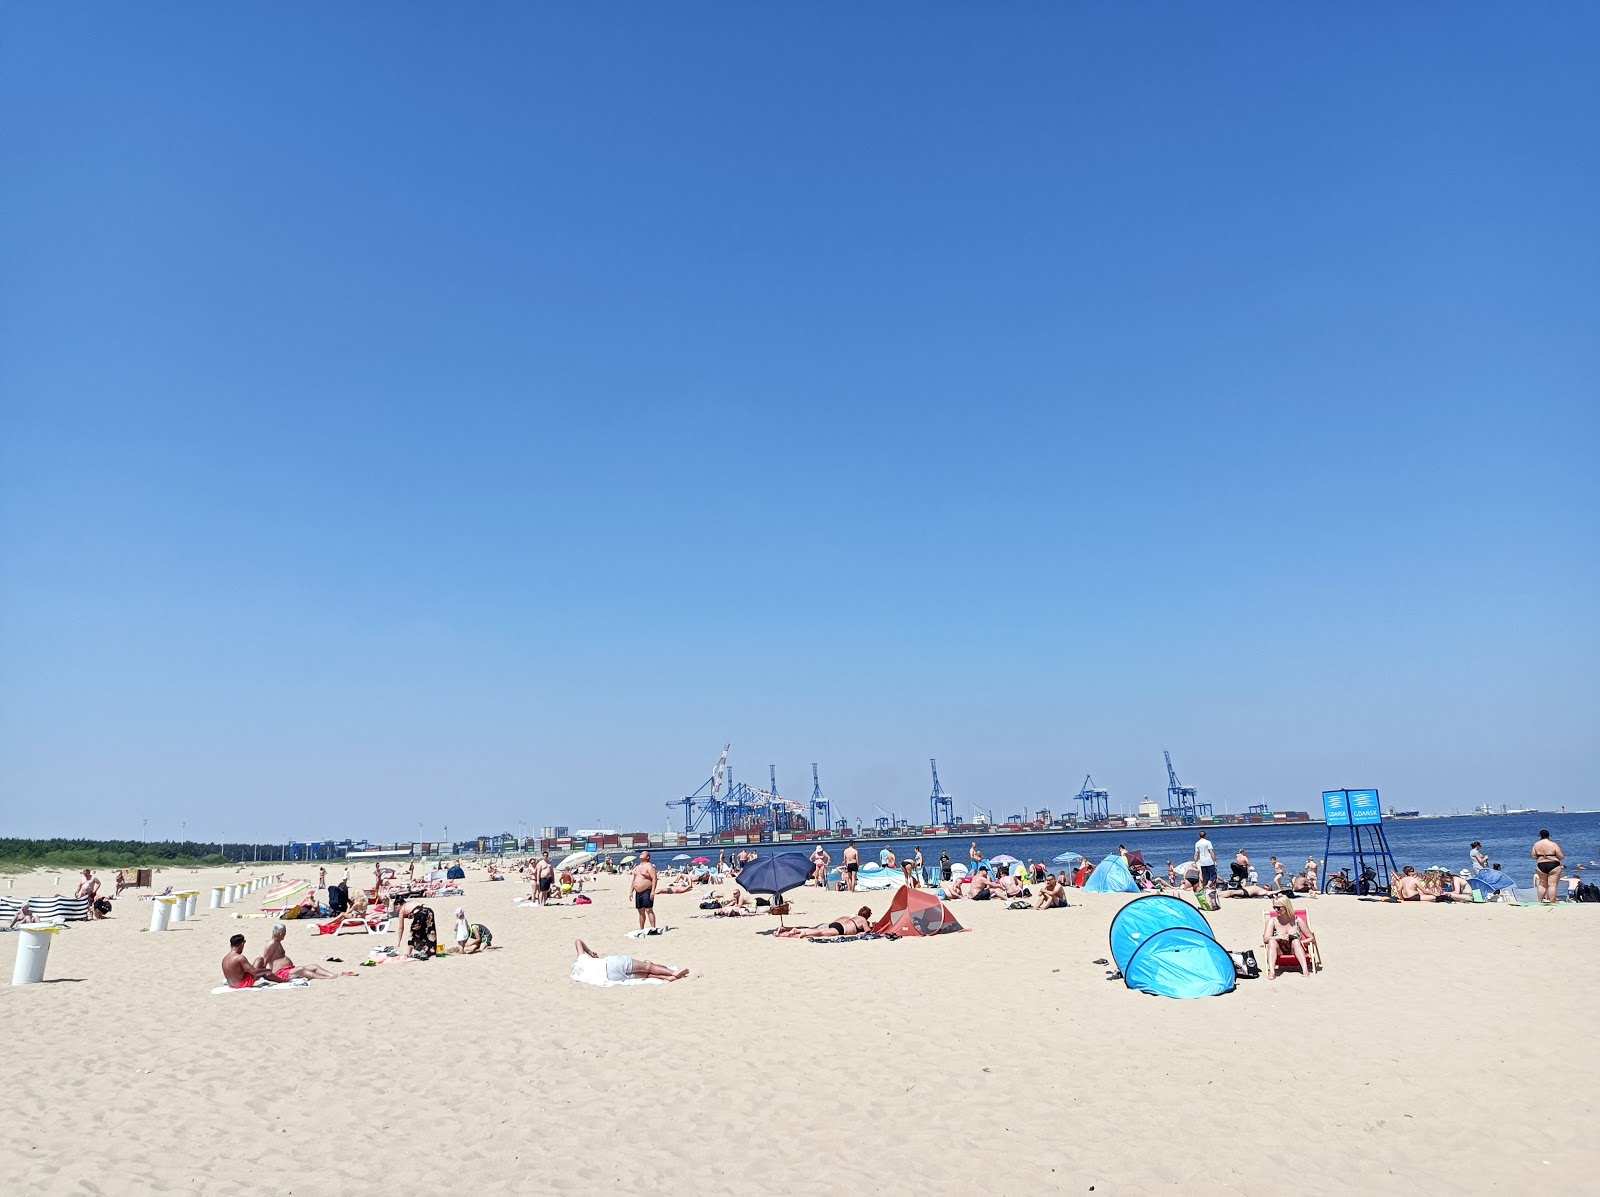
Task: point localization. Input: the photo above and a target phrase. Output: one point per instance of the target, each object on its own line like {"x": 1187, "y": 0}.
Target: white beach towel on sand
{"x": 297, "y": 983}
{"x": 662, "y": 930}
{"x": 592, "y": 971}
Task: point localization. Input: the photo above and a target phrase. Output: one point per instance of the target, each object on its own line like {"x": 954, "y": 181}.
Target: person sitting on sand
{"x": 479, "y": 939}
{"x": 618, "y": 968}
{"x": 24, "y": 915}
{"x": 275, "y": 961}
{"x": 1051, "y": 894}
{"x": 237, "y": 971}
{"x": 858, "y": 923}
{"x": 1408, "y": 887}
{"x": 982, "y": 887}
{"x": 1284, "y": 932}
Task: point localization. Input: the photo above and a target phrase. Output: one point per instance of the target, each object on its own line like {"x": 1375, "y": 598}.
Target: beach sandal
{"x": 334, "y": 959}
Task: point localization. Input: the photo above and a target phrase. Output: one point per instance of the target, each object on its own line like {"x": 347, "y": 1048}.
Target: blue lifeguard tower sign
{"x": 1359, "y": 813}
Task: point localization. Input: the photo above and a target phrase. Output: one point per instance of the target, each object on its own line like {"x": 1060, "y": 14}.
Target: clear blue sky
{"x": 416, "y": 413}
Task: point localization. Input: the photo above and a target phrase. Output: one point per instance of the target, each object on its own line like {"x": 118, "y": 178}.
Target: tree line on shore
{"x": 130, "y": 854}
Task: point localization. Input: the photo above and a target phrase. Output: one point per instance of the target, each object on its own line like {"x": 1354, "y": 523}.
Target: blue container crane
{"x": 821, "y": 815}
{"x": 941, "y": 806}
{"x": 1096, "y": 802}
{"x": 1181, "y": 803}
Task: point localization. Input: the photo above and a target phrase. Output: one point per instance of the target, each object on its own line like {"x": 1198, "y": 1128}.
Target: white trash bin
{"x": 161, "y": 912}
{"x": 217, "y": 892}
{"x": 194, "y": 901}
{"x": 33, "y": 949}
{"x": 180, "y": 909}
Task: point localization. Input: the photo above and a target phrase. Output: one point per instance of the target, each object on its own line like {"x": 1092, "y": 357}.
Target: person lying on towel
{"x": 858, "y": 923}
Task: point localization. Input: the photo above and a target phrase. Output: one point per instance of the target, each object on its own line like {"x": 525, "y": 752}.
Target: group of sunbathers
{"x": 981, "y": 887}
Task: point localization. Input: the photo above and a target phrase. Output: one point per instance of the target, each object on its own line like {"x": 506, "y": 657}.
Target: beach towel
{"x": 297, "y": 983}
{"x": 661, "y": 930}
{"x": 853, "y": 938}
{"x": 584, "y": 972}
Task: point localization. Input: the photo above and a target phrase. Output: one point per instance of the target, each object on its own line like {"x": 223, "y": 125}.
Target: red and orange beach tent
{"x": 916, "y": 912}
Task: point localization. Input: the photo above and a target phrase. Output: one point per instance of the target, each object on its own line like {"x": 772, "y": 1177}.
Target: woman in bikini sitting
{"x": 1284, "y": 932}
{"x": 858, "y": 923}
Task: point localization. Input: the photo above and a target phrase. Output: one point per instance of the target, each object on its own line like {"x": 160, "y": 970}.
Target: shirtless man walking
{"x": 852, "y": 866}
{"x": 1547, "y": 859}
{"x": 645, "y": 881}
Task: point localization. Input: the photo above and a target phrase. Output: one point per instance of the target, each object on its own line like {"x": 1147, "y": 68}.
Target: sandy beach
{"x": 1441, "y": 1047}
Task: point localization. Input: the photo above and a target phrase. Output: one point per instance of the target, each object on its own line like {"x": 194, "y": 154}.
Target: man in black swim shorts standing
{"x": 544, "y": 877}
{"x": 645, "y": 881}
{"x": 852, "y": 866}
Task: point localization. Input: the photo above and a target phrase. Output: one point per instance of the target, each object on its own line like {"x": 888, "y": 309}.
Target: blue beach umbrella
{"x": 1066, "y": 858}
{"x": 776, "y": 875}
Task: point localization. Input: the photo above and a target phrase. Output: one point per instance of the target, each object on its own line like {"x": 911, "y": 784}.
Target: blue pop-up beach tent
{"x": 1491, "y": 881}
{"x": 1164, "y": 946}
{"x": 1111, "y": 876}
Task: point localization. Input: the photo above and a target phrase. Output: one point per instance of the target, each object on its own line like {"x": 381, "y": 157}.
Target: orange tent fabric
{"x": 916, "y": 912}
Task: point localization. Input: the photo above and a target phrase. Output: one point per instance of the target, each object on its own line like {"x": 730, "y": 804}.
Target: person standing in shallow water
{"x": 1548, "y": 864}
{"x": 1480, "y": 859}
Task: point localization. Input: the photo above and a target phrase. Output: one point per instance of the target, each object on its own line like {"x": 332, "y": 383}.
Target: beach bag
{"x": 583, "y": 900}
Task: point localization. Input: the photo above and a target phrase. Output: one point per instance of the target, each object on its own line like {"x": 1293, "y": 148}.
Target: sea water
{"x": 1507, "y": 839}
